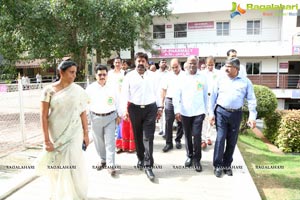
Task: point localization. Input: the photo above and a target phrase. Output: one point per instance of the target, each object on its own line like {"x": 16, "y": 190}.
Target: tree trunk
{"x": 80, "y": 59}
{"x": 98, "y": 55}
{"x": 132, "y": 53}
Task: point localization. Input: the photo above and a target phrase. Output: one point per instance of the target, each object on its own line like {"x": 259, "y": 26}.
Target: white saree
{"x": 65, "y": 165}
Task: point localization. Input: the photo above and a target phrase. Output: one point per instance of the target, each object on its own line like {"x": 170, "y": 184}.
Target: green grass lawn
{"x": 275, "y": 176}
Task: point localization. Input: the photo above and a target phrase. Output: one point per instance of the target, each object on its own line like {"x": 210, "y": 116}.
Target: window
{"x": 298, "y": 19}
{"x": 222, "y": 28}
{"x": 179, "y": 30}
{"x": 253, "y": 27}
{"x": 253, "y": 68}
{"x": 159, "y": 31}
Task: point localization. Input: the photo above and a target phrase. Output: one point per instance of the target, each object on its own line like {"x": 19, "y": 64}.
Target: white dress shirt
{"x": 170, "y": 83}
{"x": 140, "y": 90}
{"x": 191, "y": 97}
{"x": 211, "y": 77}
{"x": 103, "y": 99}
{"x": 116, "y": 78}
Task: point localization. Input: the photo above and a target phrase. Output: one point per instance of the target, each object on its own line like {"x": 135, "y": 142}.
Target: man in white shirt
{"x": 190, "y": 105}
{"x": 103, "y": 109}
{"x": 162, "y": 73}
{"x": 212, "y": 75}
{"x": 232, "y": 53}
{"x": 116, "y": 75}
{"x": 39, "y": 80}
{"x": 140, "y": 89}
{"x": 169, "y": 86}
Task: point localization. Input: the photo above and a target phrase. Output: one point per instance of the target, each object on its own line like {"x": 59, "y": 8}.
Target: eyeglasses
{"x": 101, "y": 75}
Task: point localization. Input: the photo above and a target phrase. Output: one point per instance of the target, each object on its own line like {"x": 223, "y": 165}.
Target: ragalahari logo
{"x": 236, "y": 10}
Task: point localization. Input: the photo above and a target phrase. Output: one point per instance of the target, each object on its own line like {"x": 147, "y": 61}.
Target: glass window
{"x": 253, "y": 27}
{"x": 222, "y": 28}
{"x": 253, "y": 68}
{"x": 159, "y": 31}
{"x": 179, "y": 30}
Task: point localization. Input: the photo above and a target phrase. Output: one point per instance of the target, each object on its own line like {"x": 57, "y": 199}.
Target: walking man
{"x": 140, "y": 89}
{"x": 104, "y": 117}
{"x": 169, "y": 87}
{"x": 190, "y": 105}
{"x": 225, "y": 109}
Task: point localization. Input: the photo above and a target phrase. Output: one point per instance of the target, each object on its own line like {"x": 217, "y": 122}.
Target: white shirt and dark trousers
{"x": 144, "y": 99}
{"x": 171, "y": 85}
{"x": 190, "y": 101}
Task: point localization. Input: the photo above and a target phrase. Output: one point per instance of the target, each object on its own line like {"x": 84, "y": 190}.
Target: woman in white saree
{"x": 65, "y": 128}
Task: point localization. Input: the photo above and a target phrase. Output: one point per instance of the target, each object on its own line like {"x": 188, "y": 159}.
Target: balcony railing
{"x": 284, "y": 81}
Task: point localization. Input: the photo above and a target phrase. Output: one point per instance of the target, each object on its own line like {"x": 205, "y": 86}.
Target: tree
{"x": 57, "y": 28}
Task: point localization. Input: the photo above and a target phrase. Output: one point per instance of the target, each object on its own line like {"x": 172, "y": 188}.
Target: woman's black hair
{"x": 64, "y": 65}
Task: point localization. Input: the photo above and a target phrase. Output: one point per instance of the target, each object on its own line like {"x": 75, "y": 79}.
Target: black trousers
{"x": 143, "y": 124}
{"x": 192, "y": 127}
{"x": 170, "y": 117}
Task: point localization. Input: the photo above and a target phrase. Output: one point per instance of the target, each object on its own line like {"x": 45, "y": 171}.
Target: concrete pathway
{"x": 172, "y": 181}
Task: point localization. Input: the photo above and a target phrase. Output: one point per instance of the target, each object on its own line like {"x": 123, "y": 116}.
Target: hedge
{"x": 288, "y": 139}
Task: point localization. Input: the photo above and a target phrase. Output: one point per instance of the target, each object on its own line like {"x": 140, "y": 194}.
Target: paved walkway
{"x": 172, "y": 182}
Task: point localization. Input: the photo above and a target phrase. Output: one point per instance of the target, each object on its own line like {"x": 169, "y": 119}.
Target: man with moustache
{"x": 140, "y": 89}
{"x": 225, "y": 109}
{"x": 103, "y": 107}
{"x": 190, "y": 105}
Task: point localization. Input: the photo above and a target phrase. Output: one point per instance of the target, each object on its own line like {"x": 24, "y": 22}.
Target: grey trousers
{"x": 103, "y": 131}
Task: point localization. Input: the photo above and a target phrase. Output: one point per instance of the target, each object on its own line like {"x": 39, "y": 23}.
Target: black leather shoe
{"x": 161, "y": 133}
{"x": 167, "y": 148}
{"x": 218, "y": 172}
{"x": 198, "y": 166}
{"x": 101, "y": 166}
{"x": 188, "y": 162}
{"x": 140, "y": 164}
{"x": 228, "y": 172}
{"x": 150, "y": 174}
{"x": 178, "y": 145}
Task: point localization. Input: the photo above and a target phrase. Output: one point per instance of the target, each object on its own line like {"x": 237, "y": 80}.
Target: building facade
{"x": 266, "y": 37}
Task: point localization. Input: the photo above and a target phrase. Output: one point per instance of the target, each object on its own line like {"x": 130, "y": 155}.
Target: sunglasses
{"x": 101, "y": 75}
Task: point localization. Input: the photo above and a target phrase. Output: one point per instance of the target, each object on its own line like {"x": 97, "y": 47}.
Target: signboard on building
{"x": 200, "y": 25}
{"x": 176, "y": 52}
{"x": 283, "y": 65}
{"x": 169, "y": 26}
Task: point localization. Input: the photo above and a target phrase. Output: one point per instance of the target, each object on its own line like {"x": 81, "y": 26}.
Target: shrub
{"x": 288, "y": 139}
{"x": 266, "y": 104}
{"x": 271, "y": 125}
